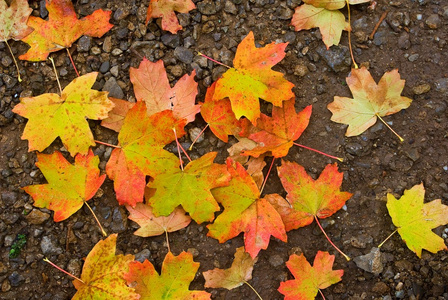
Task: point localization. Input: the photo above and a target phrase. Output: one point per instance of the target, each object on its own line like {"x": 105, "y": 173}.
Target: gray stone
{"x": 142, "y": 255}
{"x": 15, "y": 278}
{"x": 170, "y": 40}
{"x": 337, "y": 57}
{"x": 49, "y": 247}
{"x": 371, "y": 262}
{"x": 113, "y": 88}
{"x": 354, "y": 149}
{"x": 403, "y": 41}
{"x": 104, "y": 68}
{"x": 121, "y": 13}
{"x": 74, "y": 267}
{"x": 361, "y": 241}
{"x": 183, "y": 54}
{"x": 276, "y": 260}
{"x": 442, "y": 86}
{"x": 107, "y": 45}
{"x": 119, "y": 221}
{"x": 84, "y": 43}
{"x": 9, "y": 198}
{"x": 380, "y": 37}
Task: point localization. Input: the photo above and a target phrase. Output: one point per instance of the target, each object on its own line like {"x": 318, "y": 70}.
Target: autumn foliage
{"x": 163, "y": 191}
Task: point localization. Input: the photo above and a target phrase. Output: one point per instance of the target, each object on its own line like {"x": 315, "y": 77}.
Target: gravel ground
{"x": 412, "y": 38}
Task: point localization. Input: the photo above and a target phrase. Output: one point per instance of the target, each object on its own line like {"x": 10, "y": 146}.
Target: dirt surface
{"x": 412, "y": 38}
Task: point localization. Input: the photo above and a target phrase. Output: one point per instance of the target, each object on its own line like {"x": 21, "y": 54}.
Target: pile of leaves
{"x": 180, "y": 189}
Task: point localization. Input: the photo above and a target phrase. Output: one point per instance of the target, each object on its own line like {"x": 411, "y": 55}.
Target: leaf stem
{"x": 253, "y": 289}
{"x": 349, "y": 35}
{"x": 390, "y": 235}
{"x": 178, "y": 150}
{"x": 62, "y": 270}
{"x": 200, "y": 133}
{"x": 320, "y": 152}
{"x": 213, "y": 60}
{"x": 15, "y": 61}
{"x": 167, "y": 241}
{"x": 106, "y": 144}
{"x": 381, "y": 119}
{"x": 267, "y": 175}
{"x": 73, "y": 63}
{"x": 339, "y": 250}
{"x": 96, "y": 219}
{"x": 322, "y": 294}
{"x": 56, "y": 73}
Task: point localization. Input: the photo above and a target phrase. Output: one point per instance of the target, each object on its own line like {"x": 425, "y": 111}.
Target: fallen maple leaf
{"x": 309, "y": 198}
{"x": 116, "y": 116}
{"x": 309, "y": 280}
{"x": 190, "y": 188}
{"x": 333, "y": 4}
{"x": 165, "y": 9}
{"x": 176, "y": 275}
{"x": 69, "y": 186}
{"x": 369, "y": 100}
{"x": 277, "y": 133}
{"x": 13, "y": 20}
{"x": 239, "y": 273}
{"x": 52, "y": 115}
{"x": 254, "y": 167}
{"x": 150, "y": 225}
{"x": 62, "y": 29}
{"x": 415, "y": 220}
{"x": 152, "y": 86}
{"x": 140, "y": 153}
{"x": 331, "y": 23}
{"x": 252, "y": 78}
{"x": 245, "y": 211}
{"x": 219, "y": 115}
{"x": 103, "y": 274}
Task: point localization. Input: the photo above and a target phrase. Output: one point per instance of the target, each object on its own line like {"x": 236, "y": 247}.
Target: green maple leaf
{"x": 415, "y": 220}
{"x": 190, "y": 188}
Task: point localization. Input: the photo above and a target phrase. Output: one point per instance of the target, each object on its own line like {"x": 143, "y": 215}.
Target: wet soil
{"x": 412, "y": 38}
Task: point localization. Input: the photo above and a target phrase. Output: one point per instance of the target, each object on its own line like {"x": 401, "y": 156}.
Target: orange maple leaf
{"x": 69, "y": 186}
{"x": 245, "y": 211}
{"x": 309, "y": 198}
{"x": 140, "y": 153}
{"x": 309, "y": 280}
{"x": 173, "y": 282}
{"x": 165, "y": 9}
{"x": 62, "y": 29}
{"x": 252, "y": 78}
{"x": 278, "y": 133}
{"x": 152, "y": 86}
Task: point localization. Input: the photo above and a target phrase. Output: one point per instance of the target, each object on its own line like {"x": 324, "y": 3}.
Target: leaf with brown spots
{"x": 13, "y": 20}
{"x": 103, "y": 274}
{"x": 69, "y": 186}
{"x": 173, "y": 282}
{"x": 62, "y": 29}
{"x": 165, "y": 9}
{"x": 140, "y": 152}
{"x": 52, "y": 115}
